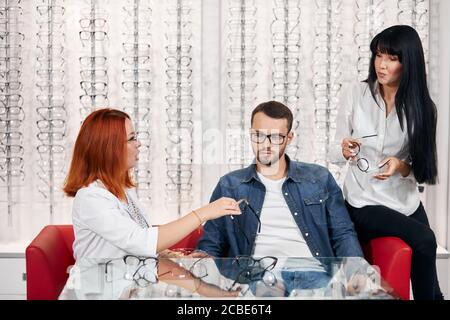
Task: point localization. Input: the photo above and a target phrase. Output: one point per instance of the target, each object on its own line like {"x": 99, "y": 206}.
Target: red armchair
{"x": 50, "y": 254}
{"x": 393, "y": 256}
{"x": 189, "y": 242}
{"x": 48, "y": 257}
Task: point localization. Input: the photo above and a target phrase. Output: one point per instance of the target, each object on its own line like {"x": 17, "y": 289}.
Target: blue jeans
{"x": 304, "y": 280}
{"x": 291, "y": 280}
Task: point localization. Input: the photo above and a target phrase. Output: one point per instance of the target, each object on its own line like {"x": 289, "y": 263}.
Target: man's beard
{"x": 274, "y": 159}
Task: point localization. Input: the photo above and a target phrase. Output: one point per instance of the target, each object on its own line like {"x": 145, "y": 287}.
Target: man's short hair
{"x": 276, "y": 110}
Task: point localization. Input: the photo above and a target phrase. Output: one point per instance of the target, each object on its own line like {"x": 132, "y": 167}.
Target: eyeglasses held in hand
{"x": 245, "y": 202}
{"x": 363, "y": 163}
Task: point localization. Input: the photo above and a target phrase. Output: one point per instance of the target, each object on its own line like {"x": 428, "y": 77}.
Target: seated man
{"x": 289, "y": 208}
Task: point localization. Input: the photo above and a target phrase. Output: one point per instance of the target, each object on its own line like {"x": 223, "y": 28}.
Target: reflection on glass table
{"x": 204, "y": 277}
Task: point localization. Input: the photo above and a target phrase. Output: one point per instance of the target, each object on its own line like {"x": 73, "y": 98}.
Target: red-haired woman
{"x": 107, "y": 218}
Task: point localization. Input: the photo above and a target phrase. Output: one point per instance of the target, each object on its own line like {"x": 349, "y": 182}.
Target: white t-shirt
{"x": 280, "y": 235}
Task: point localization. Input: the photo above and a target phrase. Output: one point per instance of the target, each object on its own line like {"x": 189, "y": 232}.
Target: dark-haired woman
{"x": 386, "y": 129}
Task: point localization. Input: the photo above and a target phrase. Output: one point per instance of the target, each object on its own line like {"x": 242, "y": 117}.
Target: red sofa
{"x": 50, "y": 254}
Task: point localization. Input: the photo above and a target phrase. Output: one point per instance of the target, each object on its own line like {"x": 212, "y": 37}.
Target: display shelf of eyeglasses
{"x": 285, "y": 39}
{"x": 12, "y": 181}
{"x": 93, "y": 36}
{"x": 325, "y": 64}
{"x": 11, "y": 117}
{"x": 241, "y": 80}
{"x": 179, "y": 112}
{"x": 241, "y": 73}
{"x": 364, "y": 29}
{"x": 422, "y": 19}
{"x": 10, "y": 85}
{"x": 178, "y": 186}
{"x": 180, "y": 150}
{"x": 141, "y": 117}
{"x": 416, "y": 14}
{"x": 136, "y": 84}
{"x": 376, "y": 17}
{"x": 241, "y": 34}
{"x": 237, "y": 139}
{"x": 12, "y": 173}
{"x": 413, "y": 12}
{"x": 50, "y": 166}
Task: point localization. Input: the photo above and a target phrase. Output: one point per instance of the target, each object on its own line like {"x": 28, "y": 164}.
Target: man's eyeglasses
{"x": 274, "y": 138}
{"x": 245, "y": 202}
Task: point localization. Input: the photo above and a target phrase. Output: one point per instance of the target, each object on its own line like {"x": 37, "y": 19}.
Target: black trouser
{"x": 379, "y": 221}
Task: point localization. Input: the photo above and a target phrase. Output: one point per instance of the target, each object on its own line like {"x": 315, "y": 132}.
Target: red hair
{"x": 100, "y": 153}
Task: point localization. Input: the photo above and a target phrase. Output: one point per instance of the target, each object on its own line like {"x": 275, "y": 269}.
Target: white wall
{"x": 438, "y": 197}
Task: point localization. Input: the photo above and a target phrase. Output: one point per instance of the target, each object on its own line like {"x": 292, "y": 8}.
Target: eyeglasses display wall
{"x": 60, "y": 60}
{"x": 136, "y": 85}
{"x": 12, "y": 113}
{"x": 241, "y": 66}
{"x": 327, "y": 76}
{"x": 51, "y": 107}
{"x": 286, "y": 44}
{"x": 179, "y": 105}
{"x": 415, "y": 13}
{"x": 93, "y": 61}
{"x": 369, "y": 20}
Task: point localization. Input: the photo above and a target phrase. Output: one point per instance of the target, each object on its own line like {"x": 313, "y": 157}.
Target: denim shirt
{"x": 314, "y": 199}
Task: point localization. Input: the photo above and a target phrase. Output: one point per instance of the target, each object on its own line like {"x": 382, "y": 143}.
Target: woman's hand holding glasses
{"x": 221, "y": 207}
{"x": 349, "y": 148}
{"x": 352, "y": 146}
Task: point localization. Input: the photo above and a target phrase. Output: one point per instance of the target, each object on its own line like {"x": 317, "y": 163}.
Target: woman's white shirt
{"x": 104, "y": 228}
{"x": 359, "y": 115}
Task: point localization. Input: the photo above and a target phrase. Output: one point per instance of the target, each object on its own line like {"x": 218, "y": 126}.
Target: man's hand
{"x": 356, "y": 284}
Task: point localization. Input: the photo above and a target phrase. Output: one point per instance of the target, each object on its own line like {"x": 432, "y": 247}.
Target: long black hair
{"x": 412, "y": 99}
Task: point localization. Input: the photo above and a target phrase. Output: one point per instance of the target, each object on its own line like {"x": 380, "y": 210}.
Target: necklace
{"x": 135, "y": 213}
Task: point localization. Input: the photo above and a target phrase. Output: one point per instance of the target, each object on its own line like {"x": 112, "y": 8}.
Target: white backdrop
{"x": 438, "y": 197}
{"x": 213, "y": 30}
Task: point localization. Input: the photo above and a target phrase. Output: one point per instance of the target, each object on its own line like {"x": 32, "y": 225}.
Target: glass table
{"x": 204, "y": 277}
